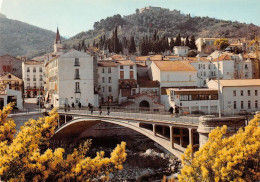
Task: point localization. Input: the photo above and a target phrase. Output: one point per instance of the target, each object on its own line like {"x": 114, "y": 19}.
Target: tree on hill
{"x": 132, "y": 47}
{"x": 26, "y": 157}
{"x": 221, "y": 44}
{"x": 192, "y": 43}
{"x": 178, "y": 40}
{"x": 187, "y": 41}
{"x": 171, "y": 44}
{"x": 224, "y": 159}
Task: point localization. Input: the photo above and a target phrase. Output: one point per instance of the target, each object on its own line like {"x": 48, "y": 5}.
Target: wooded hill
{"x": 168, "y": 23}
{"x": 21, "y": 39}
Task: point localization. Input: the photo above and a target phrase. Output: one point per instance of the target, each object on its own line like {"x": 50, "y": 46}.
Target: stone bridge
{"x": 171, "y": 132}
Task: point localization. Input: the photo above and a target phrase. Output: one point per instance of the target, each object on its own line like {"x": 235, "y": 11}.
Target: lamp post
{"x": 219, "y": 97}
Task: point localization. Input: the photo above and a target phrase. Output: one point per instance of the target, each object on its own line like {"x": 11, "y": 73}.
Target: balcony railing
{"x": 34, "y": 88}
{"x": 76, "y": 64}
{"x": 77, "y": 91}
{"x": 76, "y": 77}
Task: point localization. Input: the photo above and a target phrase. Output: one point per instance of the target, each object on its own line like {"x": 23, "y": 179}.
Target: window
{"x": 28, "y": 69}
{"x": 40, "y": 69}
{"x": 235, "y": 104}
{"x": 34, "y": 78}
{"x": 204, "y": 73}
{"x": 77, "y": 88}
{"x": 121, "y": 67}
{"x": 256, "y": 93}
{"x": 103, "y": 79}
{"x": 204, "y": 66}
{"x": 34, "y": 85}
{"x": 121, "y": 75}
{"x": 199, "y": 66}
{"x": 189, "y": 77}
{"x": 256, "y": 104}
{"x": 40, "y": 77}
{"x": 109, "y": 70}
{"x": 241, "y": 93}
{"x": 131, "y": 67}
{"x": 103, "y": 70}
{"x": 248, "y": 93}
{"x": 209, "y": 66}
{"x": 242, "y": 104}
{"x": 234, "y": 93}
{"x": 103, "y": 89}
{"x": 9, "y": 76}
{"x": 131, "y": 75}
{"x": 77, "y": 74}
{"x": 246, "y": 67}
{"x": 249, "y": 104}
{"x": 34, "y": 69}
{"x": 109, "y": 80}
{"x": 109, "y": 89}
{"x": 76, "y": 62}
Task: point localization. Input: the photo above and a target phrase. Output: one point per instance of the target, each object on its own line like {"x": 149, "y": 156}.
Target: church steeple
{"x": 57, "y": 40}
{"x": 57, "y": 44}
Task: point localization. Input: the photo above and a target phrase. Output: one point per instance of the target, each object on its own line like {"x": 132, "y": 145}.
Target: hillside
{"x": 18, "y": 38}
{"x": 168, "y": 23}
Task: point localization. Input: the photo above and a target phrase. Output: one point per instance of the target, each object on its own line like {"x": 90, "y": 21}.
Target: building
{"x": 193, "y": 101}
{"x": 33, "y": 78}
{"x": 9, "y": 64}
{"x": 181, "y": 50}
{"x": 238, "y": 95}
{"x": 204, "y": 42}
{"x": 12, "y": 81}
{"x": 127, "y": 73}
{"x": 70, "y": 79}
{"x": 9, "y": 95}
{"x": 172, "y": 74}
{"x": 108, "y": 81}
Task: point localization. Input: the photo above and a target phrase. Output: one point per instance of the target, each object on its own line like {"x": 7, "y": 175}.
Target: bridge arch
{"x": 73, "y": 130}
{"x": 144, "y": 104}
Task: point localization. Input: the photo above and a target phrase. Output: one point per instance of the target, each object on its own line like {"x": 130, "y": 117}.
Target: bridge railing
{"x": 129, "y": 114}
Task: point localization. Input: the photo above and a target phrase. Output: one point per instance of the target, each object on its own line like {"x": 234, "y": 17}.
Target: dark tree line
{"x": 158, "y": 44}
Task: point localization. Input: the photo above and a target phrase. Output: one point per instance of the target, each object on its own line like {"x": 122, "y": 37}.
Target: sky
{"x": 75, "y": 16}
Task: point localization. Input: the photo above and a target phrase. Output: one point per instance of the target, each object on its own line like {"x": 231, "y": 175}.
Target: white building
{"x": 8, "y": 95}
{"x": 181, "y": 50}
{"x": 172, "y": 74}
{"x": 70, "y": 79}
{"x": 33, "y": 78}
{"x": 108, "y": 81}
{"x": 193, "y": 100}
{"x": 238, "y": 95}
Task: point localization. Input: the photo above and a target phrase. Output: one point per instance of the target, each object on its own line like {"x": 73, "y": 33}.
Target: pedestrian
{"x": 171, "y": 111}
{"x": 79, "y": 105}
{"x": 91, "y": 108}
{"x": 72, "y": 105}
{"x": 68, "y": 107}
{"x": 108, "y": 110}
{"x": 65, "y": 107}
{"x": 176, "y": 110}
{"x": 100, "y": 109}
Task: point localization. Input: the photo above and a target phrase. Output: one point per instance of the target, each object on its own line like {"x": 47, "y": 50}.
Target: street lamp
{"x": 219, "y": 97}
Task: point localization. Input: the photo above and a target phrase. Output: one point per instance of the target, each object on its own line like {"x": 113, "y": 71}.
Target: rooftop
{"x": 32, "y": 62}
{"x": 223, "y": 57}
{"x": 174, "y": 66}
{"x": 108, "y": 63}
{"x": 126, "y": 62}
{"x": 239, "y": 82}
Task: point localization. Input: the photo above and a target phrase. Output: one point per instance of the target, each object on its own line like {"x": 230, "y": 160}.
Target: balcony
{"x": 34, "y": 88}
{"x": 76, "y": 77}
{"x": 77, "y": 90}
{"x": 76, "y": 64}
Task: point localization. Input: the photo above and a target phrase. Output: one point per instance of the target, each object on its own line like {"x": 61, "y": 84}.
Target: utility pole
{"x": 219, "y": 97}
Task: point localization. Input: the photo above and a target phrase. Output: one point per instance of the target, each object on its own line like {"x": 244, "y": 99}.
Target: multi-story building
{"x": 127, "y": 73}
{"x": 193, "y": 100}
{"x": 108, "y": 81}
{"x": 9, "y": 64}
{"x": 33, "y": 78}
{"x": 238, "y": 95}
{"x": 13, "y": 81}
{"x": 70, "y": 79}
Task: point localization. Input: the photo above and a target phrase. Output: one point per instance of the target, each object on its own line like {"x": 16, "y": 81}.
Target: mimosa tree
{"x": 225, "y": 159}
{"x": 23, "y": 156}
